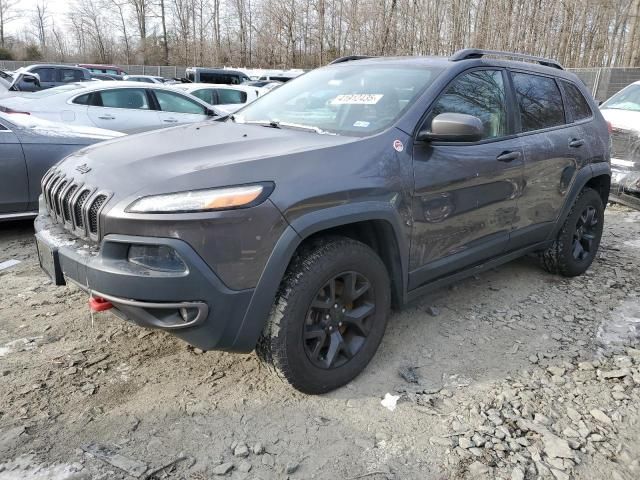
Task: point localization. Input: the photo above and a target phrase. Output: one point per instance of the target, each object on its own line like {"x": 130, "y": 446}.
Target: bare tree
{"x": 7, "y": 15}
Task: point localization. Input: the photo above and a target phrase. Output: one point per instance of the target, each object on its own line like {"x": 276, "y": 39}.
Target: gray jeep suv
{"x": 293, "y": 226}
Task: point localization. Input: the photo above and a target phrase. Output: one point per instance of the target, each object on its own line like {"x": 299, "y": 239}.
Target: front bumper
{"x": 625, "y": 186}
{"x": 150, "y": 298}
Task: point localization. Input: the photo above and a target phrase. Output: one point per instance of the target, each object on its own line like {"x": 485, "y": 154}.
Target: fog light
{"x": 157, "y": 257}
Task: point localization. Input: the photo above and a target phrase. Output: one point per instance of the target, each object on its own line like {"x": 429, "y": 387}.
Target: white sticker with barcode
{"x": 357, "y": 99}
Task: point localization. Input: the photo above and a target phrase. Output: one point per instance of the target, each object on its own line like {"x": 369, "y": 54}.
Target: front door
{"x": 178, "y": 109}
{"x": 466, "y": 194}
{"x": 14, "y": 186}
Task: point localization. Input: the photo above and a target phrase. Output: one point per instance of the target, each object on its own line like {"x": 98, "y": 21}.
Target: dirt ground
{"x": 513, "y": 374}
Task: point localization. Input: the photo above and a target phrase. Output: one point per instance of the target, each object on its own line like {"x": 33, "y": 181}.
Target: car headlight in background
{"x": 156, "y": 257}
{"x": 203, "y": 200}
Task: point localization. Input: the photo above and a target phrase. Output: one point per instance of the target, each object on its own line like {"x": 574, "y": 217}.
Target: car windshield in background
{"x": 344, "y": 100}
{"x": 627, "y": 99}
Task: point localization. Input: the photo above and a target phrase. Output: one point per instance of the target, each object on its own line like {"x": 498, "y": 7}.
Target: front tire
{"x": 577, "y": 243}
{"x": 329, "y": 316}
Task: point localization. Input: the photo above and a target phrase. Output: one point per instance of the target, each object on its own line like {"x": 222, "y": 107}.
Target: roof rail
{"x": 470, "y": 53}
{"x": 349, "y": 58}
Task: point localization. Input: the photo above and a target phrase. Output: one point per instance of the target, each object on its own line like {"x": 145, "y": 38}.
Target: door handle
{"x": 107, "y": 117}
{"x": 170, "y": 120}
{"x": 576, "y": 142}
{"x": 508, "y": 156}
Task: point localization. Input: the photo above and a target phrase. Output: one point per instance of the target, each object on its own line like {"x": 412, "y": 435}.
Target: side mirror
{"x": 211, "y": 113}
{"x": 453, "y": 127}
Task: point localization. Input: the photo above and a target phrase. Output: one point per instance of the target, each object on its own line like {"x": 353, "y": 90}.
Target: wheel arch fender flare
{"x": 583, "y": 177}
{"x": 294, "y": 235}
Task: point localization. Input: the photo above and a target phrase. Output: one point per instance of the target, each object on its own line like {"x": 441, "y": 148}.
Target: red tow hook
{"x": 99, "y": 304}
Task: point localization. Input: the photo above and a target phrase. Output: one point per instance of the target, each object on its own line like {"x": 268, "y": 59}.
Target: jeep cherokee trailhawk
{"x": 293, "y": 226}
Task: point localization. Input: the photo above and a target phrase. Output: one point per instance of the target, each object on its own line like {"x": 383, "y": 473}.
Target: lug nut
{"x": 330, "y": 329}
{"x": 344, "y": 310}
{"x": 327, "y": 317}
{"x": 340, "y": 324}
{"x": 335, "y": 306}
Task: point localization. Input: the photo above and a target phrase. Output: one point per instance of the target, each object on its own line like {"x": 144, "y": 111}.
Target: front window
{"x": 627, "y": 99}
{"x": 343, "y": 99}
{"x": 227, "y": 96}
{"x": 174, "y": 102}
{"x": 481, "y": 94}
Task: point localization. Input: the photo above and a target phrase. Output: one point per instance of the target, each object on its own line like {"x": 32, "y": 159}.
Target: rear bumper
{"x": 214, "y": 313}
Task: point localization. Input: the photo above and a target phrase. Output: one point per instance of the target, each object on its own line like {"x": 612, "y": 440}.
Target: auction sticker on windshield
{"x": 357, "y": 99}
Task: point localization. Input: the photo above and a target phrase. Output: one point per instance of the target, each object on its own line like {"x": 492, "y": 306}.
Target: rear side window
{"x": 481, "y": 94}
{"x": 45, "y": 74}
{"x": 174, "y": 102}
{"x": 539, "y": 100}
{"x": 131, "y": 98}
{"x": 576, "y": 102}
{"x": 82, "y": 99}
{"x": 227, "y": 96}
{"x": 69, "y": 75}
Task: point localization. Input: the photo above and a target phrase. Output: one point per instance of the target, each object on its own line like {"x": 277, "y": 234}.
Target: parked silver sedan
{"x": 28, "y": 147}
{"x": 128, "y": 107}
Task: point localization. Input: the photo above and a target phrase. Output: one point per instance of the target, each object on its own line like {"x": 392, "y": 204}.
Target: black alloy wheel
{"x": 337, "y": 323}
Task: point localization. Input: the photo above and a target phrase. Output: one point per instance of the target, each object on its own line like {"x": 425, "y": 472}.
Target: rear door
{"x": 178, "y": 109}
{"x": 126, "y": 110}
{"x": 14, "y": 182}
{"x": 465, "y": 199}
{"x": 553, "y": 150}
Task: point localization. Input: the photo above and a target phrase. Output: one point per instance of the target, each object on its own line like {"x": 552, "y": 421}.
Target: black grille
{"x": 66, "y": 203}
{"x": 50, "y": 190}
{"x": 93, "y": 213}
{"x": 56, "y": 197}
{"x": 77, "y": 209}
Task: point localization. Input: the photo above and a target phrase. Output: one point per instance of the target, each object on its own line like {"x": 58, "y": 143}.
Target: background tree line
{"x": 308, "y": 33}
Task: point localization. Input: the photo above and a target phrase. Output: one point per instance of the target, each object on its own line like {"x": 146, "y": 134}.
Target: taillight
{"x": 610, "y": 128}
{"x": 11, "y": 110}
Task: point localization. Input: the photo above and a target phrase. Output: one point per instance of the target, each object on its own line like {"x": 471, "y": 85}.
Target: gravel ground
{"x": 515, "y": 374}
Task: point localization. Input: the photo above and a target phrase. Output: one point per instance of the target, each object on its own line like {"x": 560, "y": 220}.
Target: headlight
{"x": 202, "y": 200}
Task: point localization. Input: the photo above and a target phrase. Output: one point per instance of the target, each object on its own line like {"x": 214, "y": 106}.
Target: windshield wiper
{"x": 318, "y": 130}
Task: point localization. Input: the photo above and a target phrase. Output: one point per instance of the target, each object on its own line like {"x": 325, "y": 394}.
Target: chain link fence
{"x": 602, "y": 82}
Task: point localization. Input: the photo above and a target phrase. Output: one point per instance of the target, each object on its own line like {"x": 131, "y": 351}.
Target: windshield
{"x": 344, "y": 100}
{"x": 627, "y": 99}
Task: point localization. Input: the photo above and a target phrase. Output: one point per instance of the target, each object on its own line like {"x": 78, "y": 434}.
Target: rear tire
{"x": 329, "y": 316}
{"x": 576, "y": 246}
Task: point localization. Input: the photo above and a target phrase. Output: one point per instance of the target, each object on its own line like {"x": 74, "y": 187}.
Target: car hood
{"x": 203, "y": 155}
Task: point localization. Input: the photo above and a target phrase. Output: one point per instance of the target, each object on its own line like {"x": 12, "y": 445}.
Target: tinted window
{"x": 174, "y": 102}
{"x": 227, "y": 78}
{"x": 228, "y": 96}
{"x": 46, "y": 74}
{"x": 132, "y": 98}
{"x": 481, "y": 94}
{"x": 205, "y": 95}
{"x": 82, "y": 99}
{"x": 68, "y": 75}
{"x": 539, "y": 100}
{"x": 576, "y": 102}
